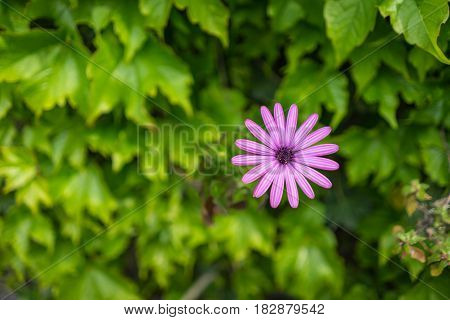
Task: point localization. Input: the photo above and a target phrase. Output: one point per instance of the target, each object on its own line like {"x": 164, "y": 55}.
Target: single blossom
{"x": 286, "y": 155}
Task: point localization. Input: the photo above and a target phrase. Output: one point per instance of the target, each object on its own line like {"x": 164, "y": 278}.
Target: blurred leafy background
{"x": 80, "y": 218}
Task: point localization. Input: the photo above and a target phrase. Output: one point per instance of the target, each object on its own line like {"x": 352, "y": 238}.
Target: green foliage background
{"x": 77, "y": 77}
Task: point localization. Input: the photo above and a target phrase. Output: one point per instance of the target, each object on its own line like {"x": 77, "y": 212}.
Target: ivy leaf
{"x": 306, "y": 264}
{"x": 242, "y": 232}
{"x": 156, "y": 13}
{"x": 285, "y": 13}
{"x": 120, "y": 144}
{"x": 367, "y": 61}
{"x": 23, "y": 55}
{"x": 9, "y": 19}
{"x": 369, "y": 152}
{"x": 69, "y": 144}
{"x": 87, "y": 190}
{"x": 43, "y": 64}
{"x": 17, "y": 166}
{"x": 419, "y": 21}
{"x": 422, "y": 61}
{"x": 129, "y": 26}
{"x": 428, "y": 289}
{"x": 434, "y": 156}
{"x": 223, "y": 104}
{"x": 21, "y": 227}
{"x": 59, "y": 10}
{"x": 52, "y": 86}
{"x": 312, "y": 87}
{"x": 34, "y": 194}
{"x": 436, "y": 164}
{"x": 98, "y": 283}
{"x": 348, "y": 24}
{"x": 211, "y": 15}
{"x": 154, "y": 67}
{"x": 305, "y": 39}
{"x": 161, "y": 69}
{"x": 384, "y": 90}
{"x": 5, "y": 100}
{"x": 337, "y": 97}
{"x": 251, "y": 281}
{"x": 96, "y": 13}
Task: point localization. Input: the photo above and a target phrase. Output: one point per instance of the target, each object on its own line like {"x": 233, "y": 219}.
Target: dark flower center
{"x": 284, "y": 155}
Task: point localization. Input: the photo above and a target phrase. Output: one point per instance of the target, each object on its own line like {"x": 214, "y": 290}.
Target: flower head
{"x": 286, "y": 156}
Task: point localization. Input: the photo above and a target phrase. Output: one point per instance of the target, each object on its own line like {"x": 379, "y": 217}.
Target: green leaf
{"x": 59, "y": 10}
{"x": 285, "y": 13}
{"x": 98, "y": 283}
{"x": 422, "y": 61}
{"x": 69, "y": 144}
{"x": 211, "y": 15}
{"x": 36, "y": 138}
{"x": 34, "y": 194}
{"x": 225, "y": 105}
{"x": 305, "y": 39}
{"x": 42, "y": 231}
{"x": 387, "y": 245}
{"x": 95, "y": 13}
{"x": 156, "y": 13}
{"x": 5, "y": 100}
{"x": 23, "y": 55}
{"x": 17, "y": 166}
{"x": 50, "y": 87}
{"x": 367, "y": 61}
{"x": 161, "y": 69}
{"x": 44, "y": 65}
{"x": 242, "y": 232}
{"x": 384, "y": 91}
{"x": 428, "y": 289}
{"x": 9, "y": 19}
{"x": 129, "y": 26}
{"x": 311, "y": 87}
{"x": 306, "y": 263}
{"x": 348, "y": 23}
{"x": 87, "y": 190}
{"x": 419, "y": 21}
{"x": 121, "y": 145}
{"x": 434, "y": 155}
{"x": 21, "y": 227}
{"x": 436, "y": 164}
{"x": 369, "y": 152}
{"x": 154, "y": 67}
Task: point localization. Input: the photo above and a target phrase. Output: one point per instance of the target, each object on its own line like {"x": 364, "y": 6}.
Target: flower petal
{"x": 320, "y": 150}
{"x": 253, "y": 147}
{"x": 291, "y": 187}
{"x": 303, "y": 183}
{"x": 305, "y": 128}
{"x": 279, "y": 120}
{"x": 313, "y": 175}
{"x": 265, "y": 182}
{"x": 271, "y": 126}
{"x": 257, "y": 172}
{"x": 314, "y": 137}
{"x": 249, "y": 159}
{"x": 318, "y": 163}
{"x": 259, "y": 133}
{"x": 276, "y": 193}
{"x": 291, "y": 124}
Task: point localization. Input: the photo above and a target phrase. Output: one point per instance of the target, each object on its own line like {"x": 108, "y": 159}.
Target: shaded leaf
{"x": 285, "y": 13}
{"x": 211, "y": 15}
{"x": 348, "y": 23}
{"x": 17, "y": 166}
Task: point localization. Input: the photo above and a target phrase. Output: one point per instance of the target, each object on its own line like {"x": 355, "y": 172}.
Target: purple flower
{"x": 287, "y": 155}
